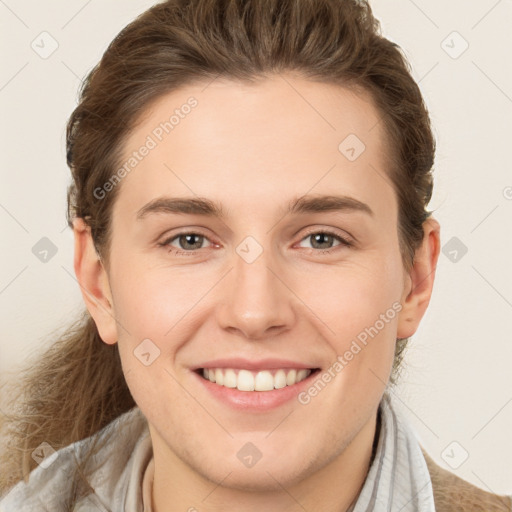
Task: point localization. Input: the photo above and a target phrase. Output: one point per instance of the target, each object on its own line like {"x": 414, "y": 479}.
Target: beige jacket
{"x": 453, "y": 494}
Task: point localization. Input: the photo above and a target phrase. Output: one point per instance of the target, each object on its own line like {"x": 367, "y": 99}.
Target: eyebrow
{"x": 301, "y": 205}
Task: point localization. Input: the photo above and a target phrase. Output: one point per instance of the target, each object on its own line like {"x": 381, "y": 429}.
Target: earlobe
{"x": 420, "y": 281}
{"x": 94, "y": 284}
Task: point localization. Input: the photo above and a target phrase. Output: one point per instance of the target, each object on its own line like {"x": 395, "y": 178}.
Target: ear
{"x": 94, "y": 284}
{"x": 420, "y": 280}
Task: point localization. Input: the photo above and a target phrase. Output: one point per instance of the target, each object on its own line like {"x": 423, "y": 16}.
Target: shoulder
{"x": 50, "y": 486}
{"x": 453, "y": 494}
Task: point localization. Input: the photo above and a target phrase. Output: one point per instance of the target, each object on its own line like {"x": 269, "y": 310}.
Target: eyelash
{"x": 343, "y": 242}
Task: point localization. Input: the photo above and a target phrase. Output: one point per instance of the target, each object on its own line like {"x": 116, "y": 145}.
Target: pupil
{"x": 318, "y": 238}
{"x": 188, "y": 239}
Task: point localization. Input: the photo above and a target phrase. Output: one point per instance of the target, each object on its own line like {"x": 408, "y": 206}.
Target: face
{"x": 255, "y": 286}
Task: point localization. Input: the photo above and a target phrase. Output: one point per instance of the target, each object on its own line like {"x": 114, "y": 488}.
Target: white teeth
{"x": 245, "y": 380}
{"x": 280, "y": 379}
{"x": 264, "y": 381}
{"x": 301, "y": 375}
{"x": 229, "y": 379}
{"x": 291, "y": 377}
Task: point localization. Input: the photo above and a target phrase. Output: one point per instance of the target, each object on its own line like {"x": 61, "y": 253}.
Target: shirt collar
{"x": 398, "y": 478}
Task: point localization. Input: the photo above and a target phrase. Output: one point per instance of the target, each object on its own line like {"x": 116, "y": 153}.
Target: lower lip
{"x": 256, "y": 400}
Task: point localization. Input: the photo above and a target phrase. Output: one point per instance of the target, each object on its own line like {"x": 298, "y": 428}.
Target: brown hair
{"x": 173, "y": 44}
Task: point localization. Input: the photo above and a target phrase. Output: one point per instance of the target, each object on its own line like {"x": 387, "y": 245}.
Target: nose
{"x": 256, "y": 301}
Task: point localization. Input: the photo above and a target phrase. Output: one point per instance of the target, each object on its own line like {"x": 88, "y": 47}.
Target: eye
{"x": 187, "y": 242}
{"x": 323, "y": 240}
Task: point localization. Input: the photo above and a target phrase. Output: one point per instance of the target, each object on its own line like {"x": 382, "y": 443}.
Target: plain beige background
{"x": 457, "y": 388}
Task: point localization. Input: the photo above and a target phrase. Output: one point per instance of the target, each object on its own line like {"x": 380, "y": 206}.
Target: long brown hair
{"x": 173, "y": 44}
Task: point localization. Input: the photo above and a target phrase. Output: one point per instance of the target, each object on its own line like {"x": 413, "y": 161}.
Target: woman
{"x": 253, "y": 245}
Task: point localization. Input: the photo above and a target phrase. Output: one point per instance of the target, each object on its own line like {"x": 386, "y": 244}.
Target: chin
{"x": 264, "y": 476}
{"x": 263, "y": 480}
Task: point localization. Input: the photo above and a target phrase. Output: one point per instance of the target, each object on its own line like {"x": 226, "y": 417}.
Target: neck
{"x": 334, "y": 487}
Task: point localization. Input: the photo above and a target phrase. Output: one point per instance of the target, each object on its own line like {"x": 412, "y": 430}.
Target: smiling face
{"x": 241, "y": 274}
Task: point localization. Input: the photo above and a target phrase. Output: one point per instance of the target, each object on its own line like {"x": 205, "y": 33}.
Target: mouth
{"x": 256, "y": 380}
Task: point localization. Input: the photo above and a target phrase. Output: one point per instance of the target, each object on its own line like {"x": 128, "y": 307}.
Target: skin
{"x": 253, "y": 148}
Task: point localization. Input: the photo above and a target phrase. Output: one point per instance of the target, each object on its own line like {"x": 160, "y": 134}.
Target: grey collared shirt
{"x": 398, "y": 479}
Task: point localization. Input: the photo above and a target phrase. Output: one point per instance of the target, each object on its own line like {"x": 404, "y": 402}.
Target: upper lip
{"x": 246, "y": 364}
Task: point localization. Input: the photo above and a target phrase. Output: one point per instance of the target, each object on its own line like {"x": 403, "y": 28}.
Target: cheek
{"x": 150, "y": 306}
{"x": 359, "y": 307}
{"x": 349, "y": 299}
{"x": 149, "y": 302}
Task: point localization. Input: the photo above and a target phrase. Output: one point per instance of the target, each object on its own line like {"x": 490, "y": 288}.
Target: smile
{"x": 246, "y": 380}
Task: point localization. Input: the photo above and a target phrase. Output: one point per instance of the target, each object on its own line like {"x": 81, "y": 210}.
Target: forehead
{"x": 257, "y": 145}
